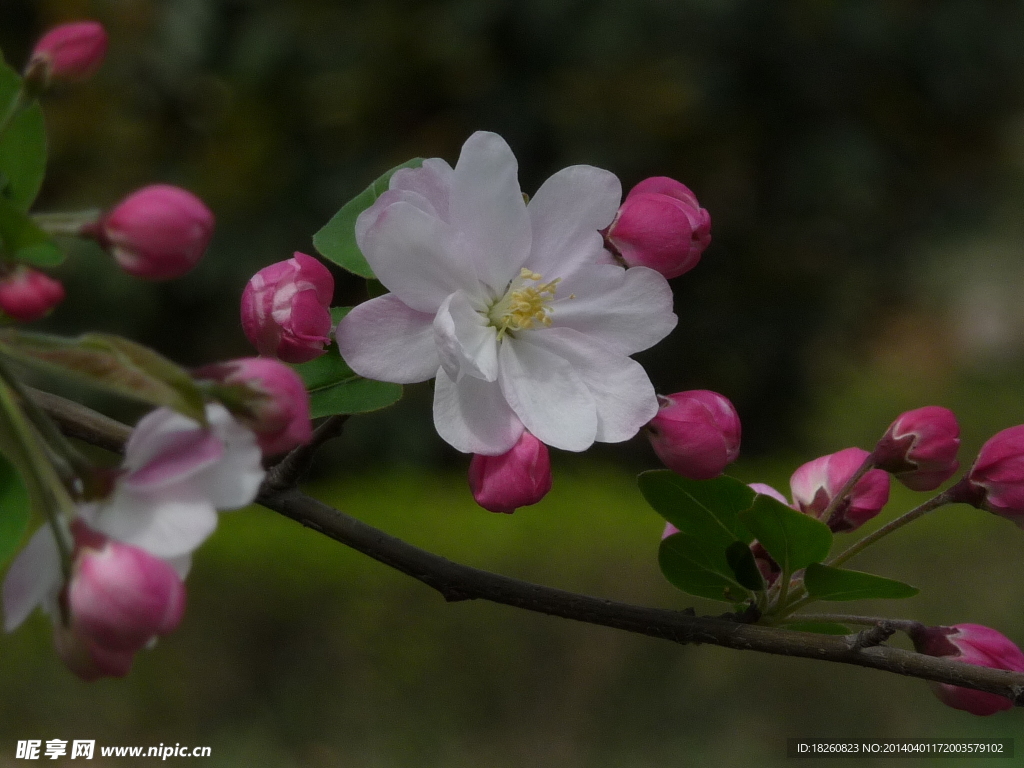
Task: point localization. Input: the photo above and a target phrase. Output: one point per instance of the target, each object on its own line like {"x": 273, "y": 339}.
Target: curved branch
{"x": 455, "y": 581}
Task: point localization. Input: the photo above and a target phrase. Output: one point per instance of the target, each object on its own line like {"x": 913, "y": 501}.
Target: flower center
{"x": 525, "y": 305}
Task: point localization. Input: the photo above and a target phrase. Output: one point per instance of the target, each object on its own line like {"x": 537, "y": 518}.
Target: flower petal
{"x": 165, "y": 527}
{"x": 466, "y": 342}
{"x": 627, "y": 309}
{"x": 234, "y": 481}
{"x": 622, "y": 392}
{"x": 165, "y": 431}
{"x": 432, "y": 180}
{"x": 33, "y": 577}
{"x": 385, "y": 340}
{"x": 487, "y": 207}
{"x": 547, "y": 395}
{"x": 420, "y": 259}
{"x": 366, "y": 219}
{"x": 473, "y": 416}
{"x": 565, "y": 216}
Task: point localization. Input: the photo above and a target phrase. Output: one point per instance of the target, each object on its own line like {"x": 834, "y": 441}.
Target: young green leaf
{"x": 111, "y": 363}
{"x": 706, "y": 509}
{"x": 826, "y": 583}
{"x": 334, "y": 388}
{"x": 743, "y": 565}
{"x": 22, "y": 144}
{"x": 15, "y": 509}
{"x": 697, "y": 569}
{"x": 793, "y": 539}
{"x": 23, "y": 240}
{"x": 337, "y": 240}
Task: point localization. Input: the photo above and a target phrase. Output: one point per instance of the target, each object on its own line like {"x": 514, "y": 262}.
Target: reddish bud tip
{"x": 920, "y": 448}
{"x": 27, "y": 295}
{"x": 996, "y": 481}
{"x": 660, "y": 225}
{"x": 275, "y": 401}
{"x": 159, "y": 232}
{"x": 68, "y": 53}
{"x": 515, "y": 479}
{"x": 696, "y": 434}
{"x": 285, "y": 309}
{"x": 817, "y": 482}
{"x": 971, "y": 644}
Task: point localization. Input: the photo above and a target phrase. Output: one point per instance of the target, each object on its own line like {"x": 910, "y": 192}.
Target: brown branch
{"x": 455, "y": 581}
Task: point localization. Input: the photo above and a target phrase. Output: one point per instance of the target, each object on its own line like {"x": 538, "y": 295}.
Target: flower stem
{"x": 885, "y": 530}
{"x": 830, "y": 511}
{"x": 903, "y": 625}
{"x": 71, "y": 224}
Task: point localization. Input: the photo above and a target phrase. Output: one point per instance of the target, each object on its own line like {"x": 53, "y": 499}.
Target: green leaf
{"x": 743, "y": 565}
{"x": 692, "y": 566}
{"x": 111, "y": 363}
{"x": 826, "y": 583}
{"x": 22, "y": 145}
{"x": 337, "y": 240}
{"x": 334, "y": 388}
{"x": 15, "y": 509}
{"x": 23, "y": 239}
{"x": 706, "y": 509}
{"x": 793, "y": 539}
{"x": 818, "y": 627}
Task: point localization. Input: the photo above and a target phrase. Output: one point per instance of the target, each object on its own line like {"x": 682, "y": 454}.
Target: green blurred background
{"x": 863, "y": 163}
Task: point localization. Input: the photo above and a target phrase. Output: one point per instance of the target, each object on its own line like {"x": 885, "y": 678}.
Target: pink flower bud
{"x": 660, "y": 225}
{"x": 158, "y": 232}
{"x": 275, "y": 399}
{"x": 28, "y": 295}
{"x": 920, "y": 448}
{"x": 971, "y": 644}
{"x": 68, "y": 53}
{"x": 515, "y": 479}
{"x": 696, "y": 434}
{"x": 285, "y": 309}
{"x": 817, "y": 482}
{"x": 119, "y": 598}
{"x": 996, "y": 481}
{"x": 670, "y": 530}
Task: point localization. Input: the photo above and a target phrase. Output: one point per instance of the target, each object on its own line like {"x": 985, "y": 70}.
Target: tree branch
{"x": 455, "y": 581}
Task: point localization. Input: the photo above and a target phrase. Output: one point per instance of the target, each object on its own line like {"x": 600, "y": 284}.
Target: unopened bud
{"x": 996, "y": 481}
{"x": 159, "y": 232}
{"x": 285, "y": 309}
{"x": 971, "y": 644}
{"x": 515, "y": 479}
{"x": 660, "y": 225}
{"x": 28, "y": 295}
{"x": 67, "y": 54}
{"x": 696, "y": 434}
{"x": 275, "y": 404}
{"x": 920, "y": 448}
{"x": 816, "y": 484}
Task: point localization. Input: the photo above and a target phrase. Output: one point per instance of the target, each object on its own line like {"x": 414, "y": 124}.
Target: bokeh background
{"x": 863, "y": 163}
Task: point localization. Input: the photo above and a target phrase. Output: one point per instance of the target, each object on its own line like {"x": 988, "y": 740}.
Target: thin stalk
{"x": 933, "y": 503}
{"x": 903, "y": 625}
{"x": 70, "y": 224}
{"x": 830, "y": 511}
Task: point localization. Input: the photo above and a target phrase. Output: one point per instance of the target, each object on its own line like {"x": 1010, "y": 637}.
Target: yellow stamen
{"x": 524, "y": 306}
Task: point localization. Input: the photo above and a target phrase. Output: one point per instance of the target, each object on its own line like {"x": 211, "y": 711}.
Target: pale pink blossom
{"x": 508, "y": 305}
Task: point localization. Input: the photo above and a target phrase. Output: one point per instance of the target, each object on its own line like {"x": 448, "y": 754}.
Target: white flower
{"x": 515, "y": 308}
{"x": 176, "y": 475}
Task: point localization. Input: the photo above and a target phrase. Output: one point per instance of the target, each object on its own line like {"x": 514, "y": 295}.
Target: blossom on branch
{"x": 515, "y": 479}
{"x": 27, "y": 294}
{"x": 286, "y": 309}
{"x": 68, "y": 53}
{"x": 513, "y": 307}
{"x": 133, "y": 548}
{"x": 920, "y": 448}
{"x": 816, "y": 484}
{"x": 696, "y": 434}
